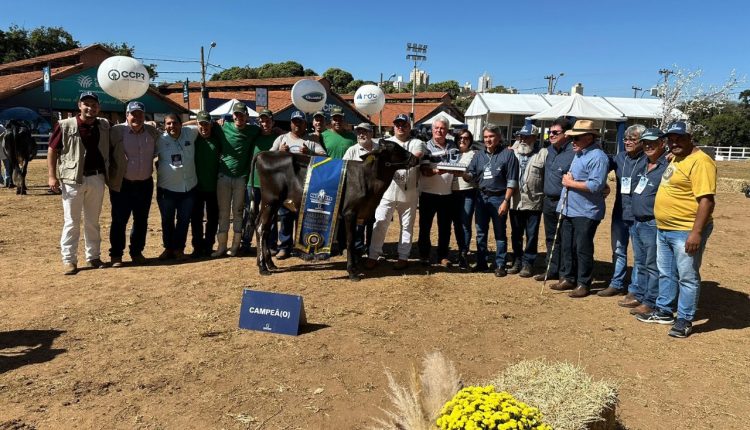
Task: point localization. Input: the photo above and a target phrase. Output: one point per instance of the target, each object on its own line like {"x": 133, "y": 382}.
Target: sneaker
{"x": 526, "y": 271}
{"x": 115, "y": 261}
{"x": 515, "y": 268}
{"x": 138, "y": 259}
{"x": 500, "y": 272}
{"x": 69, "y": 269}
{"x": 656, "y": 317}
{"x": 681, "y": 328}
{"x": 96, "y": 263}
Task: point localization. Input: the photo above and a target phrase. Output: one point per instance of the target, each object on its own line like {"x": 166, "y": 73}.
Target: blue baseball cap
{"x": 88, "y": 95}
{"x": 652, "y": 134}
{"x": 401, "y": 117}
{"x": 298, "y": 115}
{"x": 529, "y": 130}
{"x": 679, "y": 127}
{"x": 132, "y": 106}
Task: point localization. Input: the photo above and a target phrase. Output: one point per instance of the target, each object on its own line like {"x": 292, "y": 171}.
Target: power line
{"x": 164, "y": 59}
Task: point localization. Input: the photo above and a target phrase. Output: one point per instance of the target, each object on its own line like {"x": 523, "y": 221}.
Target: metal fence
{"x": 42, "y": 142}
{"x": 730, "y": 153}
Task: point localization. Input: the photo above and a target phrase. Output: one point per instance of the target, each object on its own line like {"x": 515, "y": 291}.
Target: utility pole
{"x": 552, "y": 82}
{"x": 419, "y": 54}
{"x": 635, "y": 91}
{"x": 203, "y": 76}
{"x": 666, "y": 73}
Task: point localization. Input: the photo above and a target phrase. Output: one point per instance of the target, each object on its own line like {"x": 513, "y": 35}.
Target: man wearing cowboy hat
{"x": 582, "y": 208}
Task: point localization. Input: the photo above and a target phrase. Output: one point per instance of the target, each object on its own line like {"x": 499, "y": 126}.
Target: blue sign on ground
{"x": 271, "y": 312}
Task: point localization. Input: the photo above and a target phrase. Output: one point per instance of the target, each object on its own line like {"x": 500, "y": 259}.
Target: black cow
{"x": 282, "y": 178}
{"x": 20, "y": 148}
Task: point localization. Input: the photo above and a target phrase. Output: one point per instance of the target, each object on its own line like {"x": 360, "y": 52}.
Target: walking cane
{"x": 551, "y": 252}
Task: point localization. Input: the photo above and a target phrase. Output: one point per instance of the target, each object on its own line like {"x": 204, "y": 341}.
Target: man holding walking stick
{"x": 585, "y": 184}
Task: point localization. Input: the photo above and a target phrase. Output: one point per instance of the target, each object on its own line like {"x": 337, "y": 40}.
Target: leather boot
{"x": 236, "y": 240}
{"x": 221, "y": 240}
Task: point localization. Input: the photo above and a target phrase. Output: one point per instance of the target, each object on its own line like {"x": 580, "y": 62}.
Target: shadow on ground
{"x": 19, "y": 348}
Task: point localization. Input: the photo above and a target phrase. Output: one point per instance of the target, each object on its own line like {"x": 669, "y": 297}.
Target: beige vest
{"x": 73, "y": 152}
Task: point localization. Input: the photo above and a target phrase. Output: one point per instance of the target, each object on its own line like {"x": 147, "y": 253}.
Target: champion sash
{"x": 316, "y": 223}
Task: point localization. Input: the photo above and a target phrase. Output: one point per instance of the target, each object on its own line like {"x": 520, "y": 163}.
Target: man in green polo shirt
{"x": 263, "y": 142}
{"x": 234, "y": 166}
{"x": 207, "y": 152}
{"x": 337, "y": 139}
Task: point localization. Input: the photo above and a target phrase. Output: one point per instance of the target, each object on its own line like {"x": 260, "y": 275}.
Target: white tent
{"x": 226, "y": 109}
{"x": 596, "y": 108}
{"x": 451, "y": 120}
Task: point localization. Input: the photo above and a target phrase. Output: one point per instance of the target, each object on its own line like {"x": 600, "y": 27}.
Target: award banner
{"x": 316, "y": 222}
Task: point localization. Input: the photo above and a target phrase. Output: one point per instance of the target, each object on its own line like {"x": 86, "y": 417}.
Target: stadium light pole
{"x": 203, "y": 75}
{"x": 416, "y": 52}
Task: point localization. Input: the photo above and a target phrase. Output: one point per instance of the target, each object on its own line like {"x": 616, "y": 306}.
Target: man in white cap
{"x": 526, "y": 204}
{"x": 358, "y": 152}
{"x": 401, "y": 196}
{"x": 78, "y": 162}
{"x": 132, "y": 185}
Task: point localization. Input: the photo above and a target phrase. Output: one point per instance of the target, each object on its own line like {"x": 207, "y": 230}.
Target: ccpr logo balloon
{"x": 123, "y": 78}
{"x": 369, "y": 99}
{"x": 308, "y": 95}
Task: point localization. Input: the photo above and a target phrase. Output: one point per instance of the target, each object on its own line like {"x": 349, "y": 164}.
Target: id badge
{"x": 177, "y": 160}
{"x": 487, "y": 173}
{"x": 625, "y": 185}
{"x": 641, "y": 185}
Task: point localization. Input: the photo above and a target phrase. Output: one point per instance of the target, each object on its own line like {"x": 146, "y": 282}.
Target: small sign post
{"x": 272, "y": 312}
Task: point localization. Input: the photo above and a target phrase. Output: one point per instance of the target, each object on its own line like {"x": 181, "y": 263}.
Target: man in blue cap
{"x": 526, "y": 204}
{"x": 683, "y": 207}
{"x": 132, "y": 185}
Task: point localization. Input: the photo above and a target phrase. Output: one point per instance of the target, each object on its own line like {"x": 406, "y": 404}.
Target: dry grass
{"x": 565, "y": 394}
{"x": 417, "y": 406}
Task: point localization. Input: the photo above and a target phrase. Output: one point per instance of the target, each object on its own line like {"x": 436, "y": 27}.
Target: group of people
{"x": 203, "y": 172}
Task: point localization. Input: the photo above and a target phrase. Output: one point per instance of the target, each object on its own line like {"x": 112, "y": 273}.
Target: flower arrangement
{"x": 477, "y": 407}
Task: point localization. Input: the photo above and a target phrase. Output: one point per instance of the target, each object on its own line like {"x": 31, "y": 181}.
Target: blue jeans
{"x": 671, "y": 255}
{"x": 287, "y": 219}
{"x": 527, "y": 222}
{"x": 644, "y": 248}
{"x": 578, "y": 235}
{"x": 463, "y": 212}
{"x": 622, "y": 231}
{"x": 174, "y": 206}
{"x": 486, "y": 210}
{"x": 8, "y": 177}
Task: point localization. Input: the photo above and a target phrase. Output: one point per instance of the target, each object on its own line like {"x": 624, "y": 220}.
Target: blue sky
{"x": 608, "y": 46}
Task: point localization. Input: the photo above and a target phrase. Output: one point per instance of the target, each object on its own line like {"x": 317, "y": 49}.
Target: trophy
{"x": 448, "y": 160}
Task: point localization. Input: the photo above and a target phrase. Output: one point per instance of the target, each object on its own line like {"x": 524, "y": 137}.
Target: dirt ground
{"x": 158, "y": 347}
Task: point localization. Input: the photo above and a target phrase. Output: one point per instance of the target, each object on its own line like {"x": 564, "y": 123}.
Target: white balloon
{"x": 123, "y": 78}
{"x": 309, "y": 95}
{"x": 369, "y": 99}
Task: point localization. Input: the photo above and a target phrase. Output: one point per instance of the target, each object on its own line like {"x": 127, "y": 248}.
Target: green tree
{"x": 286, "y": 69}
{"x": 48, "y": 40}
{"x": 745, "y": 98}
{"x": 352, "y": 87}
{"x": 129, "y": 51}
{"x": 500, "y": 89}
{"x": 14, "y": 44}
{"x": 310, "y": 72}
{"x": 450, "y": 87}
{"x": 338, "y": 78}
{"x": 463, "y": 102}
{"x": 235, "y": 72}
{"x": 731, "y": 127}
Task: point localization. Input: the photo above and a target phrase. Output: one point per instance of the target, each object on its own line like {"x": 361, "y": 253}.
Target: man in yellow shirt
{"x": 683, "y": 207}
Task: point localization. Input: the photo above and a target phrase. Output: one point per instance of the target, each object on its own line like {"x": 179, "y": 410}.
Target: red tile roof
{"x": 421, "y": 111}
{"x": 14, "y": 83}
{"x": 278, "y": 100}
{"x": 245, "y": 83}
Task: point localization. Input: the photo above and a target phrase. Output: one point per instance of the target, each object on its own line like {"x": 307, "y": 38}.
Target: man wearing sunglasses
{"x": 582, "y": 209}
{"x": 559, "y": 156}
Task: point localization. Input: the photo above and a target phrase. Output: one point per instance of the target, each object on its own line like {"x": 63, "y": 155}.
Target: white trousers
{"x": 230, "y": 193}
{"x": 83, "y": 198}
{"x": 383, "y": 214}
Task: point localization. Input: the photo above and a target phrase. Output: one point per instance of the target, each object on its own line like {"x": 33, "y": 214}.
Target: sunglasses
{"x": 465, "y": 138}
{"x": 400, "y": 124}
{"x": 555, "y": 132}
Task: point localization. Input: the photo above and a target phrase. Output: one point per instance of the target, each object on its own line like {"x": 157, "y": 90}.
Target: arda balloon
{"x": 309, "y": 95}
{"x": 369, "y": 99}
{"x": 123, "y": 78}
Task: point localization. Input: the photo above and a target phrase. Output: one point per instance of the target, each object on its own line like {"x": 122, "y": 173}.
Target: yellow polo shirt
{"x": 684, "y": 180}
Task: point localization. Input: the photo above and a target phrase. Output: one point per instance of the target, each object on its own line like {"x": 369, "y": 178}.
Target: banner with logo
{"x": 316, "y": 223}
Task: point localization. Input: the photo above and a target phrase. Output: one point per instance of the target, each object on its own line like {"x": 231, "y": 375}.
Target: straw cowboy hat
{"x": 583, "y": 126}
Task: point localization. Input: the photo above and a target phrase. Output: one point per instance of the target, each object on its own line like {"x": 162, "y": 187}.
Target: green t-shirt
{"x": 337, "y": 144}
{"x": 207, "y": 154}
{"x": 237, "y": 150}
{"x": 262, "y": 143}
